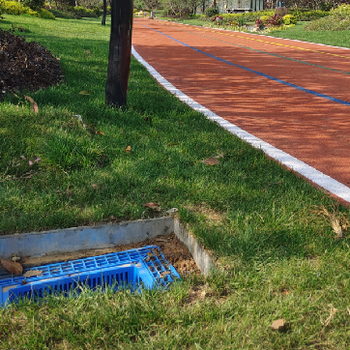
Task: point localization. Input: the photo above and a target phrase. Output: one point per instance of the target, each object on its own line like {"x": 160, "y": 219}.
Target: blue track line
{"x": 270, "y": 77}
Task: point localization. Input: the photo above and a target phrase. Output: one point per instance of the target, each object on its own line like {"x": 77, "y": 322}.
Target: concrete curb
{"x": 83, "y": 238}
{"x": 74, "y": 239}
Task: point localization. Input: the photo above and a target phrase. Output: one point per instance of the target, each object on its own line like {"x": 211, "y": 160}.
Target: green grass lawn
{"x": 337, "y": 38}
{"x": 279, "y": 258}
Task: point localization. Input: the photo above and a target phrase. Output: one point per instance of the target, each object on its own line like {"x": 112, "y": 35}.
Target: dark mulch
{"x": 25, "y": 65}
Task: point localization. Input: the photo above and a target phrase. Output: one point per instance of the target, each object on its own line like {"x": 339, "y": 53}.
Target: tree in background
{"x": 2, "y": 7}
{"x": 151, "y": 4}
{"x": 35, "y": 5}
{"x": 104, "y": 13}
{"x": 181, "y": 7}
{"x": 119, "y": 53}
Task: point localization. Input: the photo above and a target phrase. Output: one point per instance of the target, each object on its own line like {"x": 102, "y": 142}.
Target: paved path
{"x": 293, "y": 95}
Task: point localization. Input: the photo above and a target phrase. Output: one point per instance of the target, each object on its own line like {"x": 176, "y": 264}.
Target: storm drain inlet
{"x": 135, "y": 269}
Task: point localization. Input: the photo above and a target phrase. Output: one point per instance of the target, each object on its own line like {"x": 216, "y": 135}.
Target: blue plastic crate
{"x": 134, "y": 268}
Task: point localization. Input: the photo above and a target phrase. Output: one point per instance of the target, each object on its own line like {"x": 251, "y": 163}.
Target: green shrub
{"x": 83, "y": 12}
{"x": 341, "y": 12}
{"x": 139, "y": 5}
{"x": 46, "y": 14}
{"x": 331, "y": 23}
{"x": 2, "y": 7}
{"x": 306, "y": 15}
{"x": 289, "y": 19}
{"x": 249, "y": 16}
{"x": 96, "y": 10}
{"x": 35, "y": 5}
{"x": 264, "y": 19}
{"x": 338, "y": 19}
{"x": 15, "y": 8}
{"x": 64, "y": 14}
{"x": 253, "y": 16}
{"x": 211, "y": 11}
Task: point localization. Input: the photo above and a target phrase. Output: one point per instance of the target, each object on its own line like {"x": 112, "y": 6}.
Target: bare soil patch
{"x": 173, "y": 250}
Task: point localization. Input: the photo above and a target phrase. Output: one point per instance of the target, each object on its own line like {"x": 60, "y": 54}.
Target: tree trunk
{"x": 104, "y": 15}
{"x": 119, "y": 53}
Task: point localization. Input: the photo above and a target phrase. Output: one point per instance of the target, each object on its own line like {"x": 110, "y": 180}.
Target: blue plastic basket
{"x": 137, "y": 268}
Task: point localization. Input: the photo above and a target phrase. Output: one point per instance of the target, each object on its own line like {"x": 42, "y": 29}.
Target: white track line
{"x": 284, "y": 158}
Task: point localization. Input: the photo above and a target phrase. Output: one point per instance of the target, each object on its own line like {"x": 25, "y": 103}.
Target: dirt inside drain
{"x": 173, "y": 250}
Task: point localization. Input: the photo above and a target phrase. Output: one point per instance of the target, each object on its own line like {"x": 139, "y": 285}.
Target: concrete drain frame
{"x": 144, "y": 266}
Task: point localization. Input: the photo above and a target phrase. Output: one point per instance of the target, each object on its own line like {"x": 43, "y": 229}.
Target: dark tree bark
{"x": 119, "y": 53}
{"x": 104, "y": 15}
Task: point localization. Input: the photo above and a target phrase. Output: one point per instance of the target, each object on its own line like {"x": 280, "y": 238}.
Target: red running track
{"x": 293, "y": 95}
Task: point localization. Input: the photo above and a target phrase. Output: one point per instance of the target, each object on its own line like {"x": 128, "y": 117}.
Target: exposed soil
{"x": 173, "y": 250}
{"x": 25, "y": 65}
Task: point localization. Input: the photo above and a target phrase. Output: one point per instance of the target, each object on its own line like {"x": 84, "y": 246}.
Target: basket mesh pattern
{"x": 145, "y": 267}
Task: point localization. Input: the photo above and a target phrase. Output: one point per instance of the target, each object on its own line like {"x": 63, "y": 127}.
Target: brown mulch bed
{"x": 25, "y": 65}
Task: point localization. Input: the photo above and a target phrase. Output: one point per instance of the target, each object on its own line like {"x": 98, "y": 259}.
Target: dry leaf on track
{"x": 34, "y": 105}
{"x": 12, "y": 266}
{"x": 210, "y": 161}
{"x": 32, "y": 273}
{"x": 151, "y": 205}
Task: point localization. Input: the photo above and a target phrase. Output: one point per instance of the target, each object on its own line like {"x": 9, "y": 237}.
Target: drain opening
{"x": 135, "y": 269}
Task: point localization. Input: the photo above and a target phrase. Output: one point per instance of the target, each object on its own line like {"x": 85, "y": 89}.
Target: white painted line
{"x": 284, "y": 158}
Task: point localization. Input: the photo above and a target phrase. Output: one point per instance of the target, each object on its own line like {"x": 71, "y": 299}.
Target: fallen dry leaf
{"x": 99, "y": 132}
{"x": 278, "y": 324}
{"x": 210, "y": 161}
{"x": 151, "y": 205}
{"x": 32, "y": 273}
{"x": 128, "y": 149}
{"x": 94, "y": 186}
{"x": 332, "y": 312}
{"x": 337, "y": 220}
{"x": 335, "y": 223}
{"x": 84, "y": 93}
{"x": 220, "y": 155}
{"x": 34, "y": 105}
{"x": 12, "y": 266}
